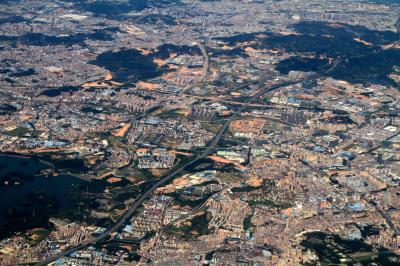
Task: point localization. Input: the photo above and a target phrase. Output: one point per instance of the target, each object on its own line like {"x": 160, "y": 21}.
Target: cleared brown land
{"x": 122, "y": 131}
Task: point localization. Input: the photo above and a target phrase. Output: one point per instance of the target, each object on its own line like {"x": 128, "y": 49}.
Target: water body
{"x": 28, "y": 199}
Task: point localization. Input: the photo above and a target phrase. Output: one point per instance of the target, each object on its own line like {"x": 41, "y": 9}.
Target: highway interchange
{"x": 131, "y": 211}
{"x": 207, "y": 151}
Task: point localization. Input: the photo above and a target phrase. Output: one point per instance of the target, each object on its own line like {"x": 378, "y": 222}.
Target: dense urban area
{"x": 200, "y": 132}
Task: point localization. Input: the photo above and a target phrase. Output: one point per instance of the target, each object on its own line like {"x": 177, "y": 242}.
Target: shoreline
{"x": 47, "y": 163}
{"x": 22, "y": 156}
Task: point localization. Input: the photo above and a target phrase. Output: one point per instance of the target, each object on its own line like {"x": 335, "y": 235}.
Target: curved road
{"x": 128, "y": 215}
{"x": 206, "y": 67}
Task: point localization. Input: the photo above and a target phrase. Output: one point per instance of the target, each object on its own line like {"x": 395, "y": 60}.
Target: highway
{"x": 204, "y": 74}
{"x": 129, "y": 213}
{"x": 184, "y": 217}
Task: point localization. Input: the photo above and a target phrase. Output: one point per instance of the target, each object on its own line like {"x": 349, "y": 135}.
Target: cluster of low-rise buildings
{"x": 320, "y": 154}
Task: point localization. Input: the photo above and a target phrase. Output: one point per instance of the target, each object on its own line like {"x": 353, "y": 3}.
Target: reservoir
{"x": 27, "y": 197}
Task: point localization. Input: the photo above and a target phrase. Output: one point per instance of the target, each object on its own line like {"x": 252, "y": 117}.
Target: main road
{"x": 206, "y": 67}
{"x": 130, "y": 212}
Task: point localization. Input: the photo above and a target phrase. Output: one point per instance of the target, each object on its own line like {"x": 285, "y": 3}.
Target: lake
{"x": 27, "y": 197}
